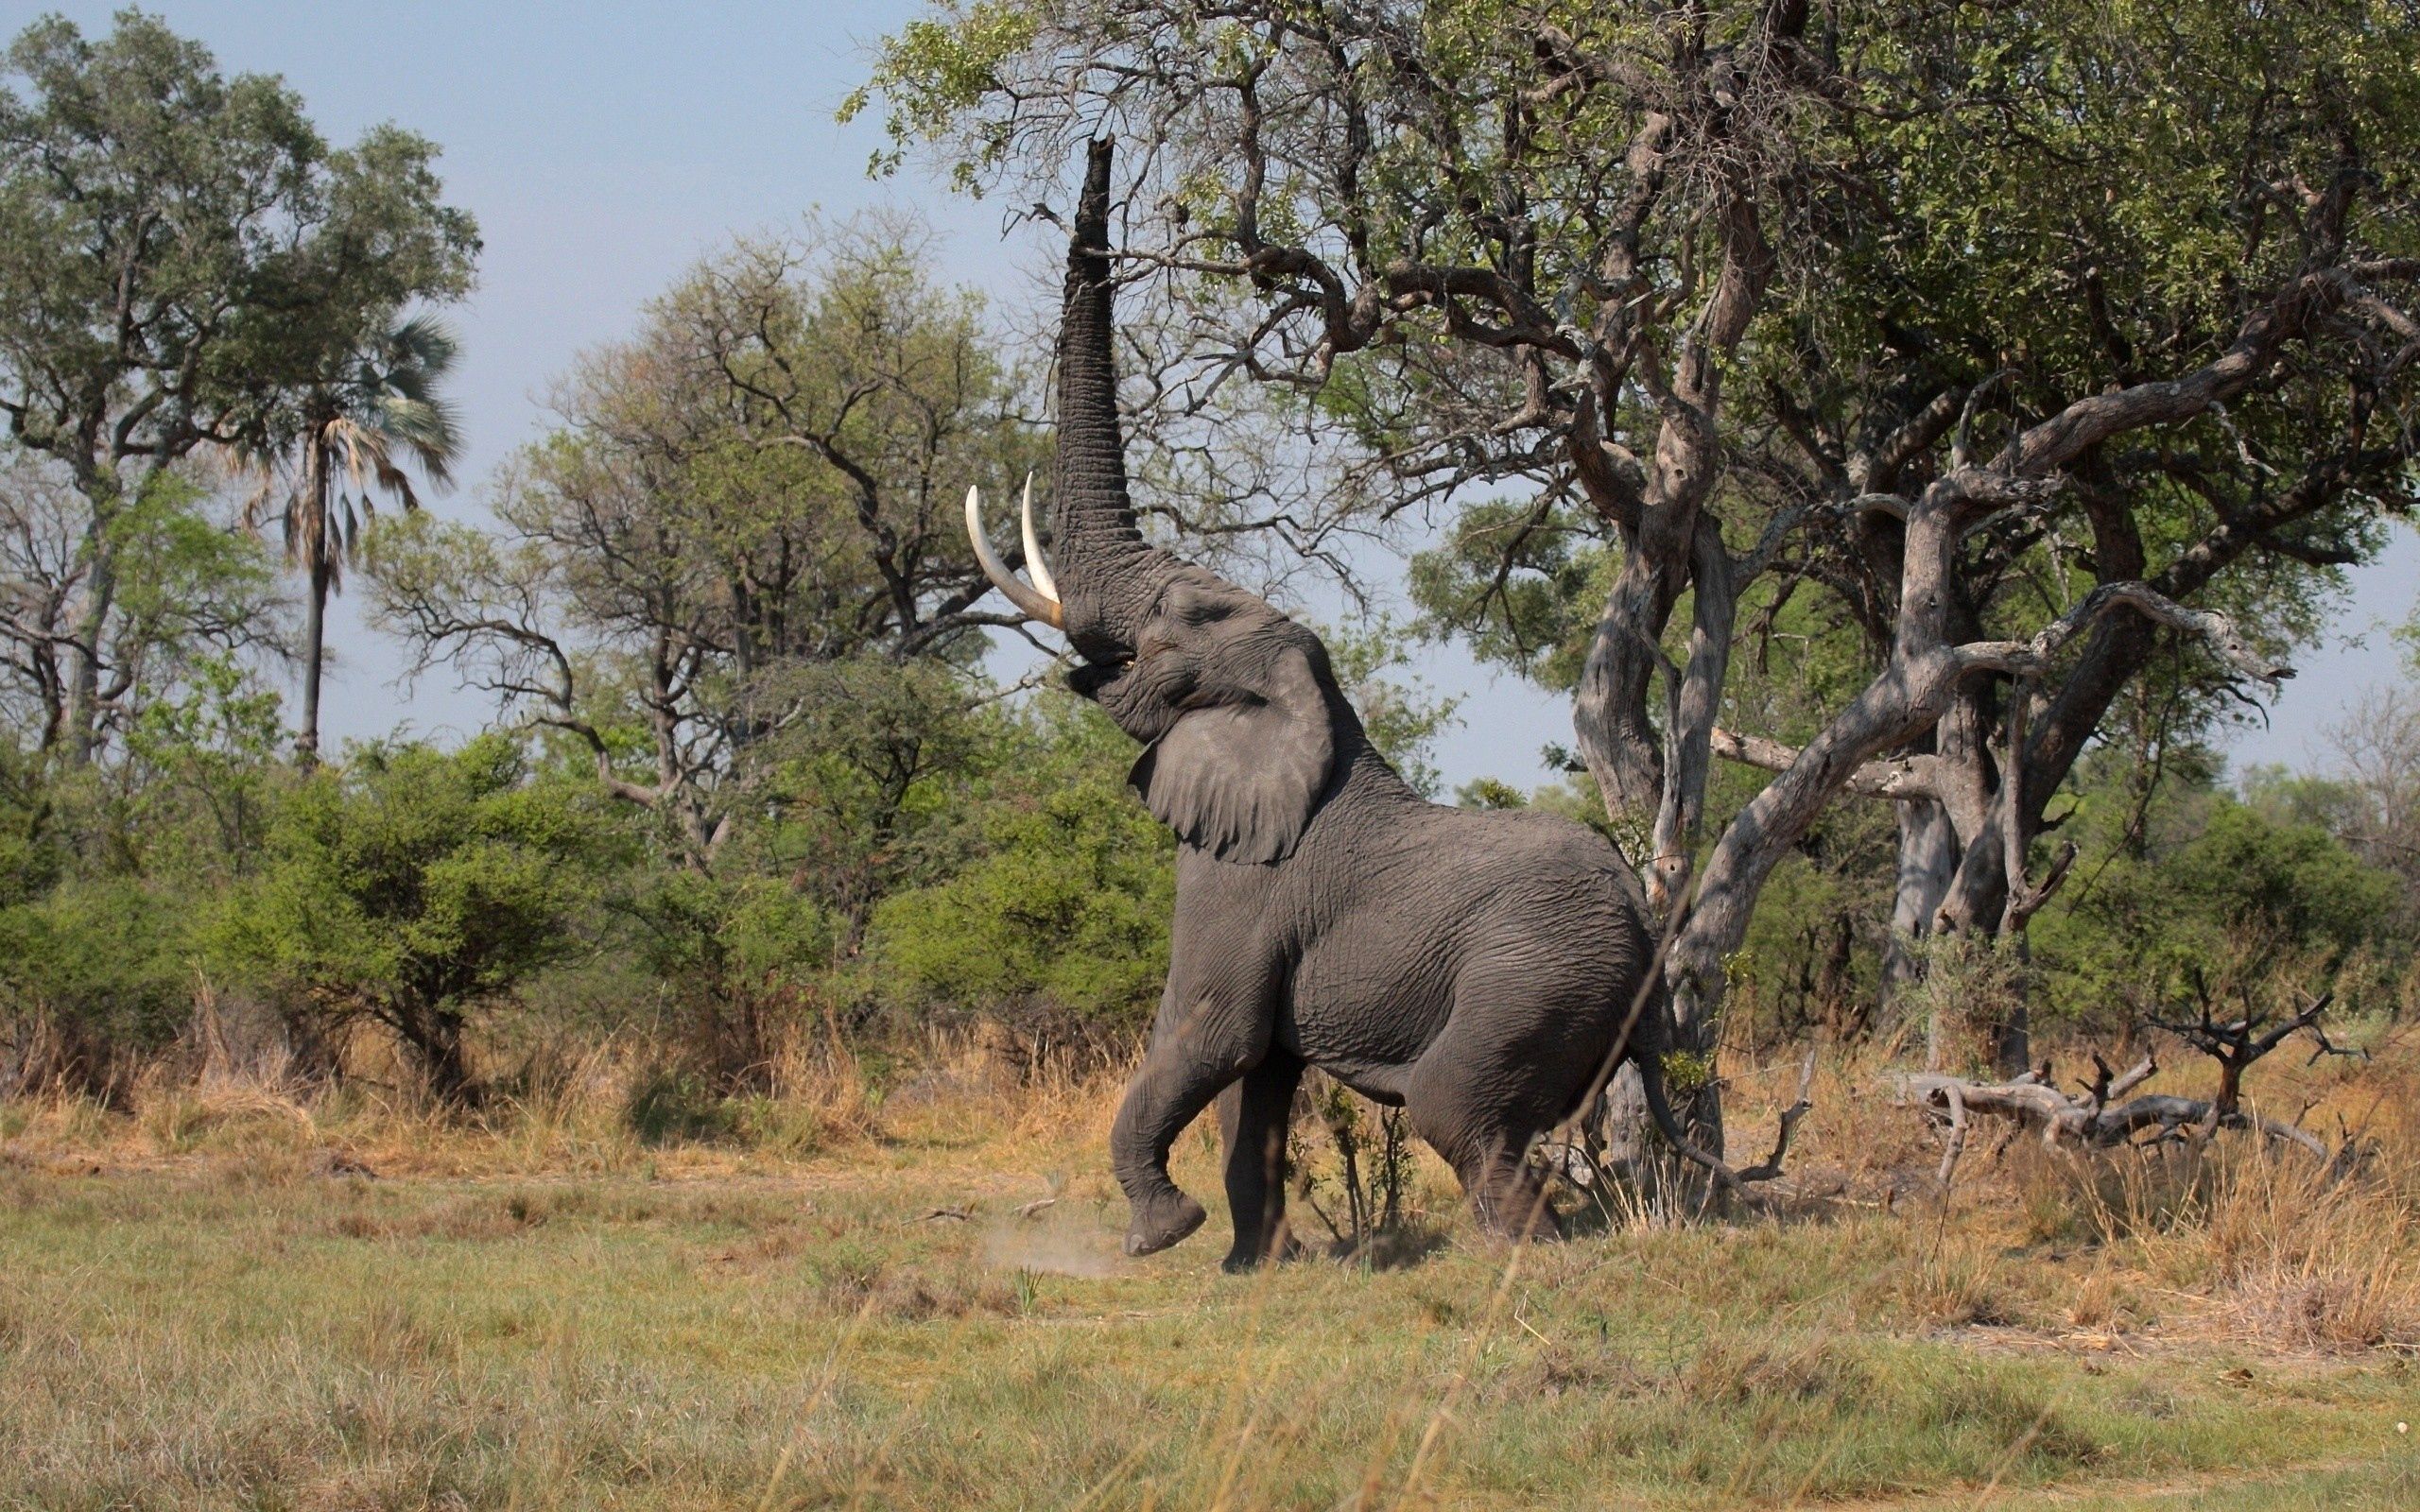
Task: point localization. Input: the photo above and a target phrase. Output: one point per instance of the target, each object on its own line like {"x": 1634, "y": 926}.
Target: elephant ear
{"x": 1241, "y": 777}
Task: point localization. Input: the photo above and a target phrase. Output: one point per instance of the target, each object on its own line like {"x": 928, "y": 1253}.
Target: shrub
{"x": 413, "y": 886}
{"x": 1063, "y": 907}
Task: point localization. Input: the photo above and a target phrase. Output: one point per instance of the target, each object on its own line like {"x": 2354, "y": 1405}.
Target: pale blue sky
{"x": 605, "y": 146}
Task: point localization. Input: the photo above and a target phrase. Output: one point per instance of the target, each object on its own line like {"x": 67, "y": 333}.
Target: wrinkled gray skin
{"x": 1474, "y": 968}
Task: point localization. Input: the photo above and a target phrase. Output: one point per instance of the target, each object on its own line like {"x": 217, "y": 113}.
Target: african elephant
{"x": 1477, "y": 969}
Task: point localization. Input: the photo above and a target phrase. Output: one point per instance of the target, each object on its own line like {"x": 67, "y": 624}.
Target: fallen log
{"x": 2100, "y": 1115}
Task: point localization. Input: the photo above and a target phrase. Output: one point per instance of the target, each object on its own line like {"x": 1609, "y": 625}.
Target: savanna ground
{"x": 233, "y": 1296}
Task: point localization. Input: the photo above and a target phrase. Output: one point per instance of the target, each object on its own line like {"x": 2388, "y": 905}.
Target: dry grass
{"x": 608, "y": 1290}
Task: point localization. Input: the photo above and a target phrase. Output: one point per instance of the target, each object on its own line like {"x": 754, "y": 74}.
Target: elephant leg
{"x": 1213, "y": 1028}
{"x": 1253, "y": 1117}
{"x": 1516, "y": 1054}
{"x": 1505, "y": 1194}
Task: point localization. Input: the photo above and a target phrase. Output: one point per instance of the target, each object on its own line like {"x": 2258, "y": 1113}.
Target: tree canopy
{"x": 2025, "y": 339}
{"x": 180, "y": 255}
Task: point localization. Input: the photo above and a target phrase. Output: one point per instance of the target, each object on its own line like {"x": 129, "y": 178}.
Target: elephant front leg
{"x": 1253, "y": 1117}
{"x": 1206, "y": 1039}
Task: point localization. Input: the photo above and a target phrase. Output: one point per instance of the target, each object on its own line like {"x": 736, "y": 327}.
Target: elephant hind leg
{"x": 1510, "y": 1062}
{"x": 1253, "y": 1117}
{"x": 1505, "y": 1194}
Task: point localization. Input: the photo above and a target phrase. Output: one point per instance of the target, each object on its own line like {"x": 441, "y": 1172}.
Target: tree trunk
{"x": 1669, "y": 1184}
{"x": 435, "y": 1037}
{"x": 1928, "y": 852}
{"x": 306, "y": 741}
{"x": 92, "y": 628}
{"x": 311, "y": 533}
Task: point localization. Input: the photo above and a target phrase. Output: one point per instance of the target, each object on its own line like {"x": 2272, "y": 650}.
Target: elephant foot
{"x": 1245, "y": 1259}
{"x": 1518, "y": 1215}
{"x": 1162, "y": 1222}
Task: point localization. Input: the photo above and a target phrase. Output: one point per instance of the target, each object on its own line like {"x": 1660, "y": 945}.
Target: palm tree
{"x": 380, "y": 410}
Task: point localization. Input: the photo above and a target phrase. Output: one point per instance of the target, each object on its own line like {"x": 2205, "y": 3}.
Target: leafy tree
{"x": 859, "y": 775}
{"x": 179, "y": 253}
{"x": 349, "y": 435}
{"x": 182, "y": 593}
{"x": 106, "y": 880}
{"x": 1403, "y": 717}
{"x": 2203, "y": 891}
{"x": 105, "y": 961}
{"x": 2022, "y": 333}
{"x": 767, "y": 478}
{"x": 108, "y": 876}
{"x": 415, "y": 888}
{"x": 732, "y": 952}
{"x": 1061, "y": 906}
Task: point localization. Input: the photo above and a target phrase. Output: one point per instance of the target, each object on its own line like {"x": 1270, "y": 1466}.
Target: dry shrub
{"x": 1970, "y": 989}
{"x": 45, "y": 1057}
{"x": 230, "y": 1087}
{"x": 819, "y": 1094}
{"x": 222, "y": 1116}
{"x": 1732, "y": 1371}
{"x": 1957, "y": 1280}
{"x": 972, "y": 1083}
{"x": 2310, "y": 1260}
{"x": 2276, "y": 1246}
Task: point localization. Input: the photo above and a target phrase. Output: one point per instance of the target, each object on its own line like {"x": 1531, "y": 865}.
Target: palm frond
{"x": 423, "y": 346}
{"x": 363, "y": 424}
{"x": 430, "y": 429}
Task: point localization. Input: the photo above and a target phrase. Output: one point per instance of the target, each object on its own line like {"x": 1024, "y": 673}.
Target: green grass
{"x": 238, "y": 1332}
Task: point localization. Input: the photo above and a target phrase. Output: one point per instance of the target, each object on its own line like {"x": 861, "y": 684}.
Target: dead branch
{"x": 1895, "y": 777}
{"x": 1799, "y": 1107}
{"x": 2237, "y": 1043}
{"x": 2094, "y": 1116}
{"x": 2216, "y": 630}
{"x": 2065, "y": 1119}
{"x": 1954, "y": 1099}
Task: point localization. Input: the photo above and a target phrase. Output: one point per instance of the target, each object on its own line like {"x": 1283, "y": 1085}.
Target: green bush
{"x": 415, "y": 885}
{"x": 110, "y": 960}
{"x": 1061, "y": 907}
{"x": 2216, "y": 888}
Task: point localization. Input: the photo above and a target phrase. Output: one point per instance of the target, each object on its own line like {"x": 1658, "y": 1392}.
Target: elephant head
{"x": 1236, "y": 705}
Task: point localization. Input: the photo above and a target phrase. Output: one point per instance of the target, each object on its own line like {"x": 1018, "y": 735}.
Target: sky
{"x": 606, "y": 146}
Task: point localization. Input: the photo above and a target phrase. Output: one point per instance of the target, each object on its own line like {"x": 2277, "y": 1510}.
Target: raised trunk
{"x": 1107, "y": 576}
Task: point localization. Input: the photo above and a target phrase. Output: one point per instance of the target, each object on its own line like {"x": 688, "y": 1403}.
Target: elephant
{"x": 1482, "y": 970}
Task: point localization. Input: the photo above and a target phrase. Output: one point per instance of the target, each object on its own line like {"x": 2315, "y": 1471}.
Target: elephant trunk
{"x": 1108, "y": 576}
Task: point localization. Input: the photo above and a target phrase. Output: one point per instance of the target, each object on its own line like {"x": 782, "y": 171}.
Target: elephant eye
{"x": 1205, "y": 610}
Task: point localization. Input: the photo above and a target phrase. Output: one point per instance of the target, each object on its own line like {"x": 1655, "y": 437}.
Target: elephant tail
{"x": 1659, "y": 1106}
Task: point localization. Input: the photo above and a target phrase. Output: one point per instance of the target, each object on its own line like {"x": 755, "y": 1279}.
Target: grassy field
{"x": 229, "y": 1300}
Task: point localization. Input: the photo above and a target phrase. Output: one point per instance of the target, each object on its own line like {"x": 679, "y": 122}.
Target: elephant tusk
{"x": 1035, "y": 567}
{"x": 1031, "y": 604}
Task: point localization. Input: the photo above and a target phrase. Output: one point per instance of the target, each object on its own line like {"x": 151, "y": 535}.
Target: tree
{"x": 189, "y": 600}
{"x": 1057, "y": 910}
{"x": 1909, "y": 307}
{"x": 767, "y": 478}
{"x": 415, "y": 888}
{"x": 353, "y": 430}
{"x": 107, "y": 875}
{"x": 180, "y": 253}
{"x": 1402, "y": 718}
{"x": 2199, "y": 890}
